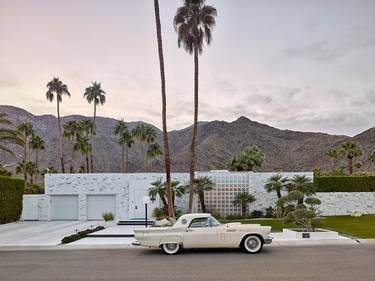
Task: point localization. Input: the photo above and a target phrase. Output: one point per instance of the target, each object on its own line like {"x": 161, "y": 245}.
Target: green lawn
{"x": 362, "y": 227}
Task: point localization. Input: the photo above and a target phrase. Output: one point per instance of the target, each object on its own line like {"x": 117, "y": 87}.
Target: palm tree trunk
{"x": 87, "y": 163}
{"x": 126, "y": 159}
{"x": 203, "y": 204}
{"x": 60, "y": 137}
{"x": 195, "y": 129}
{"x": 92, "y": 139}
{"x": 25, "y": 157}
{"x": 167, "y": 161}
{"x": 37, "y": 163}
{"x": 278, "y": 192}
{"x": 350, "y": 165}
{"x": 142, "y": 156}
{"x": 71, "y": 169}
{"x": 243, "y": 209}
{"x": 123, "y": 158}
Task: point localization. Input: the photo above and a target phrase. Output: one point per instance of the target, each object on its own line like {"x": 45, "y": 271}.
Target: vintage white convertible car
{"x": 204, "y": 231}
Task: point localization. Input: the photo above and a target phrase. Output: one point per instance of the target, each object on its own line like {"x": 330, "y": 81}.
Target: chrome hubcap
{"x": 252, "y": 243}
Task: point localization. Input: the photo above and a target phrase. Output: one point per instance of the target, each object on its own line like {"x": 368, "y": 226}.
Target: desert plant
{"x": 8, "y": 136}
{"x": 270, "y": 212}
{"x": 256, "y": 214}
{"x": 108, "y": 216}
{"x": 126, "y": 140}
{"x": 303, "y": 217}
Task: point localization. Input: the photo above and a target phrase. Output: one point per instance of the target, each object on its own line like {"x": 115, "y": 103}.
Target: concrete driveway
{"x": 40, "y": 233}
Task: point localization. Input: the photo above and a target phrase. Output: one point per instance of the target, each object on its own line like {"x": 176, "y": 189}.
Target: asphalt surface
{"x": 341, "y": 263}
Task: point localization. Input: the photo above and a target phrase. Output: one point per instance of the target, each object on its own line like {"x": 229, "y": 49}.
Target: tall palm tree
{"x": 25, "y": 129}
{"x": 243, "y": 199}
{"x": 167, "y": 160}
{"x": 153, "y": 151}
{"x": 94, "y": 94}
{"x": 125, "y": 139}
{"x": 70, "y": 131}
{"x": 276, "y": 184}
{"x": 145, "y": 134}
{"x": 193, "y": 23}
{"x": 37, "y": 144}
{"x": 8, "y": 135}
{"x": 351, "y": 150}
{"x": 201, "y": 185}
{"x": 56, "y": 90}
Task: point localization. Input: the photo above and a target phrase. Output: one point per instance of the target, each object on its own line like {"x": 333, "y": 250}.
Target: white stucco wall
{"x": 130, "y": 188}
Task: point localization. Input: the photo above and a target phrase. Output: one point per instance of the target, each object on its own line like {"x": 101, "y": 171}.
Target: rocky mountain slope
{"x": 284, "y": 150}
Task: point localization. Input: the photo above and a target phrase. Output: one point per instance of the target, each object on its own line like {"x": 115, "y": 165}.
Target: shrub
{"x": 34, "y": 189}
{"x": 80, "y": 235}
{"x": 233, "y": 217}
{"x": 108, "y": 216}
{"x": 270, "y": 212}
{"x": 11, "y": 195}
{"x": 354, "y": 183}
{"x": 5, "y": 172}
{"x": 160, "y": 213}
{"x": 256, "y": 214}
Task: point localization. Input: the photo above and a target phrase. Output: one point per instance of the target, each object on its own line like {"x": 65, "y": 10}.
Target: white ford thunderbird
{"x": 204, "y": 231}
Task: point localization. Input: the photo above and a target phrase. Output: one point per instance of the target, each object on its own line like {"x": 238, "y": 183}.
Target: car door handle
{"x": 188, "y": 230}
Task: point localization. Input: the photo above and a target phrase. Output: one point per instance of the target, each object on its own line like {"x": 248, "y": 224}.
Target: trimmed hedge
{"x": 362, "y": 183}
{"x": 80, "y": 235}
{"x": 11, "y": 196}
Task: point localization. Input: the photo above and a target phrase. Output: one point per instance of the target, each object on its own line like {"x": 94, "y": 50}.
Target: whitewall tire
{"x": 171, "y": 248}
{"x": 252, "y": 244}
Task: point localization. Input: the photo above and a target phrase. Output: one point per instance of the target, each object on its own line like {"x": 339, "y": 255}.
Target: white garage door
{"x": 99, "y": 204}
{"x": 64, "y": 207}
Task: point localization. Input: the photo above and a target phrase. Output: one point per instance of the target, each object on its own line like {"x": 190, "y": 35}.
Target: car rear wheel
{"x": 252, "y": 244}
{"x": 171, "y": 248}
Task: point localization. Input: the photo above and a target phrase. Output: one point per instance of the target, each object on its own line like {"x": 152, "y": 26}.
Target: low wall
{"x": 130, "y": 188}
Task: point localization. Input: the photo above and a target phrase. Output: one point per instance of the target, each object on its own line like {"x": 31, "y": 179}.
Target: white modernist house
{"x": 88, "y": 196}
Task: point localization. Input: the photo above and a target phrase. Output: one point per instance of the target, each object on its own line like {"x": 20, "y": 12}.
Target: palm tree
{"x": 21, "y": 169}
{"x": 351, "y": 150}
{"x": 50, "y": 170}
{"x": 70, "y": 131}
{"x": 167, "y": 160}
{"x": 25, "y": 130}
{"x": 37, "y": 144}
{"x": 145, "y": 134}
{"x": 57, "y": 88}
{"x": 276, "y": 184}
{"x": 125, "y": 139}
{"x": 153, "y": 151}
{"x": 333, "y": 154}
{"x": 83, "y": 146}
{"x": 246, "y": 160}
{"x": 302, "y": 184}
{"x": 94, "y": 94}
{"x": 158, "y": 189}
{"x": 28, "y": 167}
{"x": 201, "y": 185}
{"x": 8, "y": 135}
{"x": 243, "y": 199}
{"x": 193, "y": 23}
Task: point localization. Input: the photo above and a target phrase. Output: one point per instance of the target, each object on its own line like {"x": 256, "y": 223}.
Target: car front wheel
{"x": 171, "y": 248}
{"x": 252, "y": 244}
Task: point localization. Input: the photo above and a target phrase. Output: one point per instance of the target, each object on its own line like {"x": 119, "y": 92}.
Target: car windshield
{"x": 204, "y": 222}
{"x": 214, "y": 222}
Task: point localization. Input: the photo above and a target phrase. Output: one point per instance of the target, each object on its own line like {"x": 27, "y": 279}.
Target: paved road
{"x": 331, "y": 263}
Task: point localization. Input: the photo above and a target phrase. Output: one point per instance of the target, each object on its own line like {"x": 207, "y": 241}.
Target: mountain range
{"x": 284, "y": 150}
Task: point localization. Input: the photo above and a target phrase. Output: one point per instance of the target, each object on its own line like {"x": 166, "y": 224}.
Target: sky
{"x": 299, "y": 65}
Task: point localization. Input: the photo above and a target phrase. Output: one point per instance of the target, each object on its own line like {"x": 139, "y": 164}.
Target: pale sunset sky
{"x": 300, "y": 65}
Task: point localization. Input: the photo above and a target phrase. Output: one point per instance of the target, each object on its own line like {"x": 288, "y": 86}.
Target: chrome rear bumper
{"x": 268, "y": 240}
